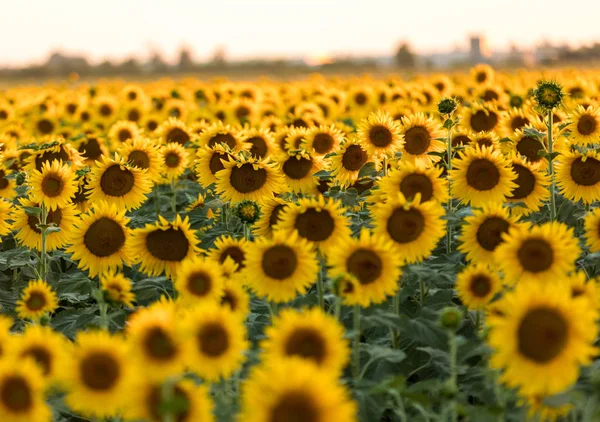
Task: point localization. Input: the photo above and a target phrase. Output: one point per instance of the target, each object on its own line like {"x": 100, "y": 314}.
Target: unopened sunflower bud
{"x": 247, "y": 211}
{"x": 451, "y": 318}
{"x": 548, "y": 95}
{"x": 447, "y": 106}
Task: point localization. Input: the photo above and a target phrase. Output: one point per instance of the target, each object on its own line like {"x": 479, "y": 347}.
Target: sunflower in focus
{"x": 345, "y": 164}
{"x": 117, "y": 287}
{"x": 219, "y": 341}
{"x": 5, "y": 217}
{"x": 53, "y": 186}
{"x": 22, "y": 392}
{"x": 199, "y": 280}
{"x": 321, "y": 140}
{"x": 380, "y": 135}
{"x": 227, "y": 247}
{"x": 411, "y": 179}
{"x": 143, "y": 154}
{"x": 298, "y": 168}
{"x": 481, "y": 176}
{"x": 421, "y": 138}
{"x": 584, "y": 126}
{"x": 578, "y": 176}
{"x": 537, "y": 253}
{"x": 248, "y": 179}
{"x": 542, "y": 338}
{"x": 210, "y": 161}
{"x": 163, "y": 246}
{"x": 174, "y": 159}
{"x": 477, "y": 285}
{"x": 270, "y": 213}
{"x": 532, "y": 187}
{"x": 37, "y": 299}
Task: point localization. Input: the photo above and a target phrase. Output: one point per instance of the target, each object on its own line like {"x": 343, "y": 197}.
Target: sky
{"x": 118, "y": 29}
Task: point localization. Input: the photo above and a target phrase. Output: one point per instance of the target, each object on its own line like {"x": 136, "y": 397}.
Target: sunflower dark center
{"x": 365, "y": 265}
{"x": 279, "y": 262}
{"x": 99, "y": 371}
{"x": 235, "y": 253}
{"x": 45, "y": 126}
{"x": 417, "y": 140}
{"x": 222, "y": 138}
{"x": 3, "y": 114}
{"x": 215, "y": 164}
{"x": 213, "y": 339}
{"x": 542, "y": 335}
{"x": 52, "y": 185}
{"x": 178, "y": 135}
{"x": 483, "y": 175}
{"x": 380, "y": 136}
{"x": 518, "y": 122}
{"x": 49, "y": 156}
{"x": 481, "y": 77}
{"x": 525, "y": 182}
{"x": 124, "y": 135}
{"x": 354, "y": 158}
{"x": 297, "y": 168}
{"x": 323, "y": 143}
{"x": 16, "y": 394}
{"x": 104, "y": 237}
{"x": 259, "y": 146}
{"x": 139, "y": 159}
{"x": 585, "y": 173}
{"x": 246, "y": 178}
{"x": 417, "y": 183}
{"x": 489, "y": 233}
{"x": 91, "y": 149}
{"x": 315, "y": 225}
{"x": 41, "y": 356}
{"x": 530, "y": 148}
{"x": 168, "y": 245}
{"x": 36, "y": 301}
{"x": 172, "y": 160}
{"x": 405, "y": 226}
{"x": 151, "y": 125}
{"x": 482, "y": 121}
{"x": 159, "y": 344}
{"x": 480, "y": 286}
{"x": 307, "y": 343}
{"x": 360, "y": 99}
{"x": 229, "y": 299}
{"x": 52, "y": 217}
{"x": 587, "y": 125}
{"x": 461, "y": 140}
{"x": 117, "y": 181}
{"x": 105, "y": 110}
{"x": 199, "y": 283}
{"x": 489, "y": 95}
{"x": 295, "y": 406}
{"x": 274, "y": 217}
{"x": 133, "y": 115}
{"x": 535, "y": 255}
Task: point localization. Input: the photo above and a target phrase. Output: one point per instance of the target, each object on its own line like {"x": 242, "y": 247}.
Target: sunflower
{"x": 281, "y": 268}
{"x": 529, "y": 147}
{"x": 116, "y": 182}
{"x": 532, "y": 187}
{"x": 47, "y": 348}
{"x": 379, "y": 134}
{"x": 586, "y": 289}
{"x": 592, "y": 230}
{"x": 584, "y": 126}
{"x": 37, "y": 299}
{"x": 412, "y": 179}
{"x": 174, "y": 131}
{"x": 481, "y": 176}
{"x": 92, "y": 148}
{"x": 227, "y": 247}
{"x": 321, "y": 140}
{"x": 260, "y": 142}
{"x": 483, "y": 232}
{"x": 43, "y": 125}
{"x": 537, "y": 253}
{"x": 220, "y": 344}
{"x": 105, "y": 108}
{"x": 345, "y": 163}
{"x": 477, "y": 285}
{"x": 421, "y": 138}
{"x": 5, "y": 216}
{"x": 151, "y": 123}
{"x": 480, "y": 117}
{"x": 155, "y": 343}
{"x": 123, "y": 131}
{"x": 80, "y": 199}
{"x": 117, "y": 287}
{"x": 100, "y": 376}
{"x": 143, "y": 154}
{"x": 292, "y": 389}
{"x": 163, "y": 246}
{"x": 298, "y": 168}
{"x": 147, "y": 403}
{"x": 7, "y": 185}
{"x": 320, "y": 221}
{"x": 542, "y": 338}
{"x": 310, "y": 335}
{"x": 53, "y": 186}
{"x": 210, "y": 161}
{"x": 294, "y": 140}
{"x": 491, "y": 93}
{"x": 53, "y": 149}
{"x": 482, "y": 74}
{"x": 487, "y": 139}
{"x": 22, "y": 392}
{"x": 578, "y": 176}
{"x": 199, "y": 280}
{"x": 248, "y": 178}
{"x": 372, "y": 261}
{"x": 413, "y": 227}
{"x": 235, "y": 297}
{"x": 174, "y": 159}
{"x": 514, "y": 119}
{"x": 100, "y": 240}
{"x": 28, "y": 233}
{"x": 217, "y": 134}
{"x": 270, "y": 211}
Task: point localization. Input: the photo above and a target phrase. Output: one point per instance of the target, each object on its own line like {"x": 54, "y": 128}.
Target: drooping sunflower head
{"x": 379, "y": 134}
{"x": 37, "y": 299}
{"x": 117, "y": 288}
{"x": 477, "y": 285}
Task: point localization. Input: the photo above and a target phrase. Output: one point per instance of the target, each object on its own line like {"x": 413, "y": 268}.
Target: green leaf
{"x": 33, "y": 211}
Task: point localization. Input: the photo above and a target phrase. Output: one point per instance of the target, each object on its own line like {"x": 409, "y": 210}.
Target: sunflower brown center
{"x": 246, "y": 178}
{"x": 482, "y": 121}
{"x": 124, "y": 135}
{"x": 168, "y": 245}
{"x": 481, "y": 77}
{"x": 315, "y": 225}
{"x": 489, "y": 95}
{"x": 104, "y": 237}
{"x": 518, "y": 122}
{"x": 99, "y": 371}
{"x": 172, "y": 160}
{"x": 91, "y": 149}
{"x": 230, "y": 299}
{"x": 585, "y": 173}
{"x": 133, "y": 115}
{"x": 405, "y": 226}
{"x": 489, "y": 233}
{"x": 52, "y": 185}
{"x": 587, "y": 125}
{"x": 139, "y": 159}
{"x": 360, "y": 98}
{"x": 215, "y": 164}
{"x": 3, "y": 181}
{"x": 481, "y": 286}
{"x": 49, "y": 156}
{"x": 530, "y": 148}
{"x": 52, "y": 217}
{"x": 213, "y": 339}
{"x": 16, "y": 394}
{"x": 199, "y": 283}
{"x": 323, "y": 143}
{"x": 461, "y": 140}
{"x": 417, "y": 183}
{"x": 36, "y": 301}
{"x": 105, "y": 110}
{"x": 542, "y": 335}
{"x": 307, "y": 343}
{"x": 45, "y": 127}
{"x": 151, "y": 125}
{"x": 274, "y": 218}
{"x": 354, "y": 158}
{"x": 279, "y": 262}
{"x": 159, "y": 344}
{"x": 297, "y": 168}
{"x": 380, "y": 136}
{"x": 525, "y": 182}
{"x": 483, "y": 175}
{"x": 117, "y": 181}
{"x": 259, "y": 146}
{"x": 295, "y": 406}
{"x": 535, "y": 255}
{"x": 417, "y": 140}
{"x": 235, "y": 253}
{"x": 178, "y": 135}
{"x": 222, "y": 138}
{"x": 365, "y": 264}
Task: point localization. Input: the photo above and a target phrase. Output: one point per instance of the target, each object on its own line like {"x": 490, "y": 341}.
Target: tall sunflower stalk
{"x": 446, "y": 108}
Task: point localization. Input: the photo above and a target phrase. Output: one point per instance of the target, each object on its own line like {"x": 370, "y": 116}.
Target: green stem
{"x": 273, "y": 309}
{"x": 477, "y": 321}
{"x": 551, "y": 168}
{"x": 157, "y": 201}
{"x": 395, "y": 333}
{"x": 321, "y": 283}
{"x": 453, "y": 371}
{"x": 103, "y": 315}
{"x": 356, "y": 343}
{"x": 44, "y": 230}
{"x": 499, "y": 397}
{"x": 167, "y": 395}
{"x": 449, "y": 206}
{"x": 338, "y": 308}
{"x": 422, "y": 291}
{"x": 385, "y": 167}
{"x": 173, "y": 196}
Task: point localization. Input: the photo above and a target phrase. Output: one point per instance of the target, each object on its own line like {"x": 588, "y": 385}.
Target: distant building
{"x": 478, "y": 49}
{"x": 59, "y": 62}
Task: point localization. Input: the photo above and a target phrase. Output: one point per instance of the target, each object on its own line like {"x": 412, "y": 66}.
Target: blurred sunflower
{"x": 37, "y": 299}
{"x": 199, "y": 280}
{"x": 143, "y": 154}
{"x": 123, "y": 131}
{"x": 174, "y": 131}
{"x": 22, "y": 392}
{"x": 592, "y": 230}
{"x": 117, "y": 287}
{"x": 477, "y": 285}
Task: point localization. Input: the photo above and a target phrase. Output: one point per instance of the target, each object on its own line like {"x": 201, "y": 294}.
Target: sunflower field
{"x": 324, "y": 249}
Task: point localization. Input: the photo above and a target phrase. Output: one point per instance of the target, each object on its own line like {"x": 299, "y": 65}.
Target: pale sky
{"x": 117, "y": 29}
